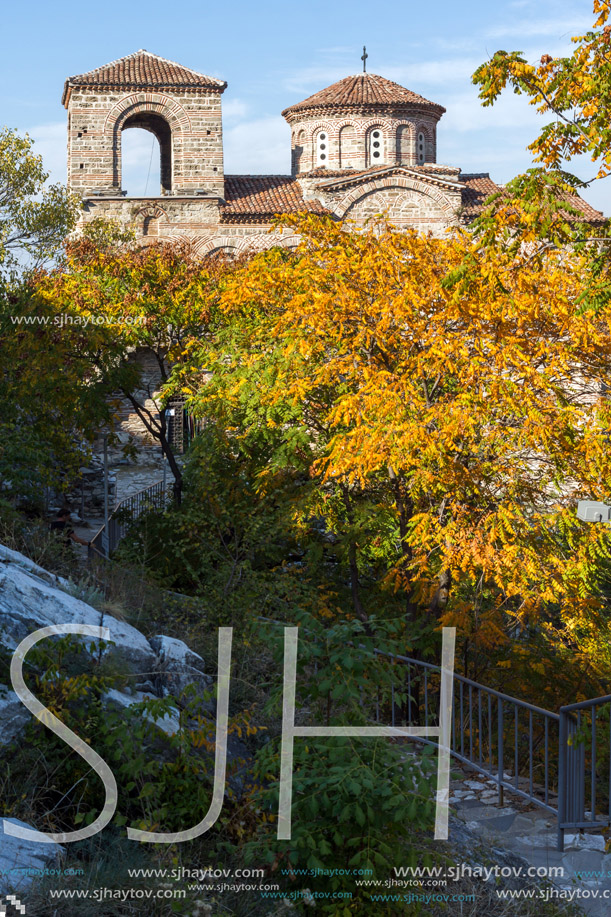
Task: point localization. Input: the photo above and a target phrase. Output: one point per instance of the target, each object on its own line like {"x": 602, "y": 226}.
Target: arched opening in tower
{"x": 146, "y": 156}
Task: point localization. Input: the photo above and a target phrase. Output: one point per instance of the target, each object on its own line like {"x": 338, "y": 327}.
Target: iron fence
{"x": 155, "y": 497}
{"x": 560, "y": 762}
{"x": 501, "y": 737}
{"x": 585, "y": 766}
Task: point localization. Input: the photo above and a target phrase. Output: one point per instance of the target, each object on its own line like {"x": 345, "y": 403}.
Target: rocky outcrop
{"x": 31, "y": 598}
{"x": 177, "y": 666}
{"x": 22, "y": 861}
{"x": 13, "y": 715}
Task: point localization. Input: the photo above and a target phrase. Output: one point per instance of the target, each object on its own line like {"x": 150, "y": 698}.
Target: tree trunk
{"x": 157, "y": 429}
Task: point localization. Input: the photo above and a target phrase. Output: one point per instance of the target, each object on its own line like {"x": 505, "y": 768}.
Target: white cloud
{"x": 140, "y": 162}
{"x": 465, "y": 113}
{"x": 233, "y": 109}
{"x": 444, "y": 72}
{"x": 311, "y": 79}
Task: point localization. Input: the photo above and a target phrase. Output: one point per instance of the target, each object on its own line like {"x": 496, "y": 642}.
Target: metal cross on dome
{"x": 364, "y": 57}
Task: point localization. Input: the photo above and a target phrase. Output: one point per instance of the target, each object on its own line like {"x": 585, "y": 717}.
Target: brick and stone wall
{"x": 348, "y": 139}
{"x": 187, "y": 124}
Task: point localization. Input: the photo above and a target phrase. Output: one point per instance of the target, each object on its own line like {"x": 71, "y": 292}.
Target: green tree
{"x": 35, "y": 218}
{"x": 540, "y": 206}
{"x": 51, "y": 397}
{"x": 157, "y": 297}
{"x": 440, "y": 399}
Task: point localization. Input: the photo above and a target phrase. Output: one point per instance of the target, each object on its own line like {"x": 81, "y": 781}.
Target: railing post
{"x": 501, "y": 752}
{"x": 562, "y": 751}
{"x": 106, "y": 511}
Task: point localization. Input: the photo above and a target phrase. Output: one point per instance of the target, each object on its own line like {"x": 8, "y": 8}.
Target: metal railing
{"x": 584, "y": 766}
{"x": 560, "y": 762}
{"x": 501, "y": 737}
{"x": 155, "y": 497}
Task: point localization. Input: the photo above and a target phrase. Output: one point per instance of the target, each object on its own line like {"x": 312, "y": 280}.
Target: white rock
{"x": 475, "y": 785}
{"x": 177, "y": 665}
{"x": 175, "y": 652}
{"x": 13, "y": 715}
{"x": 584, "y": 842}
{"x": 22, "y": 861}
{"x": 31, "y": 598}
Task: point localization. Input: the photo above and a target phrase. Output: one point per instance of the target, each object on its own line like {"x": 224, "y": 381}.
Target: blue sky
{"x": 273, "y": 54}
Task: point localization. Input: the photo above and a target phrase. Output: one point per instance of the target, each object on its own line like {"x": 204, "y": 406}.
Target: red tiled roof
{"x": 590, "y": 215}
{"x": 256, "y": 198}
{"x": 480, "y": 186}
{"x": 364, "y": 90}
{"x": 430, "y": 169}
{"x": 143, "y": 70}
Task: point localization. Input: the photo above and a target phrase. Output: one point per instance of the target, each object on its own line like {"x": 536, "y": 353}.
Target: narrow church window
{"x": 421, "y": 149}
{"x": 322, "y": 149}
{"x": 375, "y": 147}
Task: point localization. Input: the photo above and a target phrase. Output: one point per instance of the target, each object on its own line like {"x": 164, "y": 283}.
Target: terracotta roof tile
{"x": 429, "y": 170}
{"x": 590, "y": 215}
{"x": 143, "y": 70}
{"x": 480, "y": 186}
{"x": 364, "y": 90}
{"x": 256, "y": 198}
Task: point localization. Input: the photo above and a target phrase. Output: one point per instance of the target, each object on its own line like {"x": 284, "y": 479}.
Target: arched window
{"x": 376, "y": 147}
{"x": 322, "y": 148}
{"x": 421, "y": 149}
{"x": 348, "y": 147}
{"x": 146, "y": 156}
{"x": 404, "y": 142}
{"x": 298, "y": 151}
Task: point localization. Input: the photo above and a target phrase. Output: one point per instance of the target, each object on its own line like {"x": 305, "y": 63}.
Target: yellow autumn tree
{"x": 156, "y": 298}
{"x": 447, "y": 403}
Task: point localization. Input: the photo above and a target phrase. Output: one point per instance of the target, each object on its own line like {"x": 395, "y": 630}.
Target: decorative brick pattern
{"x": 232, "y": 213}
{"x": 181, "y": 107}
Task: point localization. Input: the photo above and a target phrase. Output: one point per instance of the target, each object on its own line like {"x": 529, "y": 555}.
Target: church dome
{"x": 362, "y": 121}
{"x": 361, "y": 92}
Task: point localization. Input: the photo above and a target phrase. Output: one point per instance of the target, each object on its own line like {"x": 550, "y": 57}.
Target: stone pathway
{"x": 530, "y": 833}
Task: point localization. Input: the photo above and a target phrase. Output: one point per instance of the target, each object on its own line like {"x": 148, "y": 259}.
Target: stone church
{"x": 360, "y": 147}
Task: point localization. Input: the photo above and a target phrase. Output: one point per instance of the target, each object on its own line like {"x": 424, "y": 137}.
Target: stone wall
{"x": 348, "y": 140}
{"x": 96, "y": 119}
{"x": 158, "y": 218}
{"x": 426, "y": 198}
